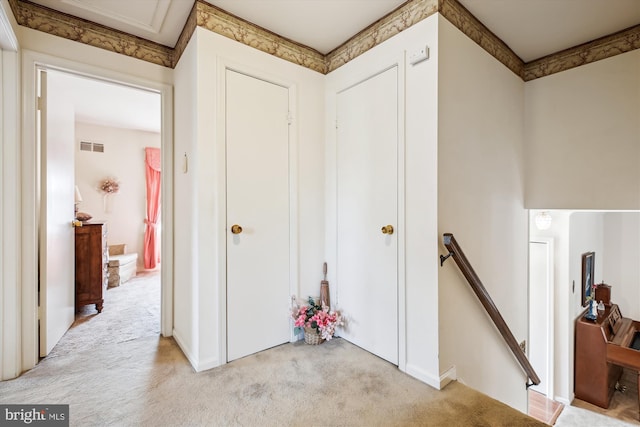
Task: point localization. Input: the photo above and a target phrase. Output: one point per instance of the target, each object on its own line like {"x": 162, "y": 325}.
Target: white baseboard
{"x": 423, "y": 376}
{"x": 185, "y": 350}
{"x": 196, "y": 364}
{"x": 447, "y": 376}
{"x": 207, "y": 364}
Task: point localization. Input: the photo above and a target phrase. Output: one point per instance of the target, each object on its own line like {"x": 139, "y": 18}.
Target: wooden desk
{"x": 603, "y": 348}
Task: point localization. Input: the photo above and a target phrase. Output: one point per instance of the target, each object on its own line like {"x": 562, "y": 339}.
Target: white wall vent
{"x": 91, "y": 146}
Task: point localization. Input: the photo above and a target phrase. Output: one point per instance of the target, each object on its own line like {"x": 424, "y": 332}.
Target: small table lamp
{"x": 77, "y": 199}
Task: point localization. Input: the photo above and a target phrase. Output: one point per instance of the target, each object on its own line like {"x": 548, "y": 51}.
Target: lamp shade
{"x": 543, "y": 220}
{"x": 78, "y": 196}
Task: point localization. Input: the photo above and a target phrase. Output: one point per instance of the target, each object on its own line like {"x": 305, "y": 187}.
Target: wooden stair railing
{"x": 484, "y": 297}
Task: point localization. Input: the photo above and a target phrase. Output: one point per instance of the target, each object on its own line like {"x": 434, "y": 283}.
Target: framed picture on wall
{"x": 587, "y": 276}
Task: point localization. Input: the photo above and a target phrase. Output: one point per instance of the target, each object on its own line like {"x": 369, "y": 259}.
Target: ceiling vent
{"x": 91, "y": 146}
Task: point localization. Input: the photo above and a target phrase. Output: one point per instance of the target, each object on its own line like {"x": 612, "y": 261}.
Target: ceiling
{"x": 109, "y": 104}
{"x": 531, "y": 28}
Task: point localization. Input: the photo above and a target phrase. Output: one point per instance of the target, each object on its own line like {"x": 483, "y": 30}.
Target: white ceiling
{"x": 536, "y": 28}
{"x": 109, "y": 104}
{"x": 531, "y": 28}
{"x": 320, "y": 24}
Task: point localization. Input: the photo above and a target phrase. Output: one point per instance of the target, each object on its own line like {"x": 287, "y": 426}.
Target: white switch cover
{"x": 419, "y": 55}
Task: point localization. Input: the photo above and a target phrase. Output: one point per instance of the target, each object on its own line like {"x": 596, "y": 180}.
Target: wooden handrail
{"x": 484, "y": 297}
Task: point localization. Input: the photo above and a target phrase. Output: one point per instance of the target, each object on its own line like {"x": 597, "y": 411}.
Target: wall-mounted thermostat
{"x": 418, "y": 55}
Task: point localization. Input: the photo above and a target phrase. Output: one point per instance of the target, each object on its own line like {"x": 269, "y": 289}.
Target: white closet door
{"x": 367, "y": 201}
{"x": 257, "y": 146}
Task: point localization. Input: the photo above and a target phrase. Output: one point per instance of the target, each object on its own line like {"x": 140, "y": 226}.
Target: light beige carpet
{"x": 131, "y": 311}
{"x": 148, "y": 382}
{"x": 114, "y": 370}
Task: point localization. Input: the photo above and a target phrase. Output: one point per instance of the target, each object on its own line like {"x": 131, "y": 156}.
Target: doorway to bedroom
{"x": 115, "y": 170}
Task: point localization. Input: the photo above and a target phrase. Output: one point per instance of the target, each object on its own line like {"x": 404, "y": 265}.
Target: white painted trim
{"x": 167, "y": 212}
{"x": 401, "y": 226}
{"x": 8, "y": 39}
{"x": 220, "y": 216}
{"x": 549, "y": 245}
{"x": 185, "y": 349}
{"x": 425, "y": 377}
{"x": 197, "y": 364}
{"x": 30, "y": 214}
{"x": 294, "y": 239}
{"x": 10, "y": 243}
{"x": 448, "y": 376}
{"x": 221, "y": 178}
{"x": 31, "y": 61}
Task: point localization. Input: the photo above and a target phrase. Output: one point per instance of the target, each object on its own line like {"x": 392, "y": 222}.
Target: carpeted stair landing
{"x": 148, "y": 382}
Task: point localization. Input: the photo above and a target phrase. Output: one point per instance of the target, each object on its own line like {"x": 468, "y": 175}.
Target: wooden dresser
{"x": 92, "y": 258}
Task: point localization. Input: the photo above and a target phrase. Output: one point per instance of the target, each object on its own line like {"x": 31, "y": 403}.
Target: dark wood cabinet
{"x": 91, "y": 264}
{"x": 595, "y": 376}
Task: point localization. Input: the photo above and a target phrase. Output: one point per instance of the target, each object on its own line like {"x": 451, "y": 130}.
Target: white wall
{"x": 123, "y": 159}
{"x": 185, "y": 327}
{"x": 419, "y": 293}
{"x": 621, "y": 260}
{"x": 481, "y": 201}
{"x": 583, "y": 136}
{"x": 586, "y": 234}
{"x": 200, "y": 253}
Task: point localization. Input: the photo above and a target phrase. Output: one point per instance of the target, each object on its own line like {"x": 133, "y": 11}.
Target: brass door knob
{"x": 236, "y": 229}
{"x": 387, "y": 229}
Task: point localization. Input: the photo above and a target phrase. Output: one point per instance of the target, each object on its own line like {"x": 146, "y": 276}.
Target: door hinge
{"x": 39, "y": 103}
{"x": 289, "y": 118}
{"x": 336, "y": 123}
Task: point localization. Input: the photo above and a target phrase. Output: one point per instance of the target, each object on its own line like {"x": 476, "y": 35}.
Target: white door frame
{"x": 31, "y": 61}
{"x": 550, "y": 333}
{"x": 10, "y": 354}
{"x": 220, "y": 216}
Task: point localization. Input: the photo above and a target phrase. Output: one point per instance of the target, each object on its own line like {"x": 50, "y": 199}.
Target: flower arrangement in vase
{"x": 108, "y": 187}
{"x": 318, "y": 322}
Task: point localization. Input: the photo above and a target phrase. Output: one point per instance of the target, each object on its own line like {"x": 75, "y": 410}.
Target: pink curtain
{"x": 151, "y": 251}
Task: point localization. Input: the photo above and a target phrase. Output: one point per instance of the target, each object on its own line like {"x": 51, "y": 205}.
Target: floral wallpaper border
{"x": 462, "y": 19}
{"x": 410, "y": 13}
{"x": 225, "y": 24}
{"x": 603, "y": 48}
{"x": 413, "y": 11}
{"x": 69, "y": 27}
